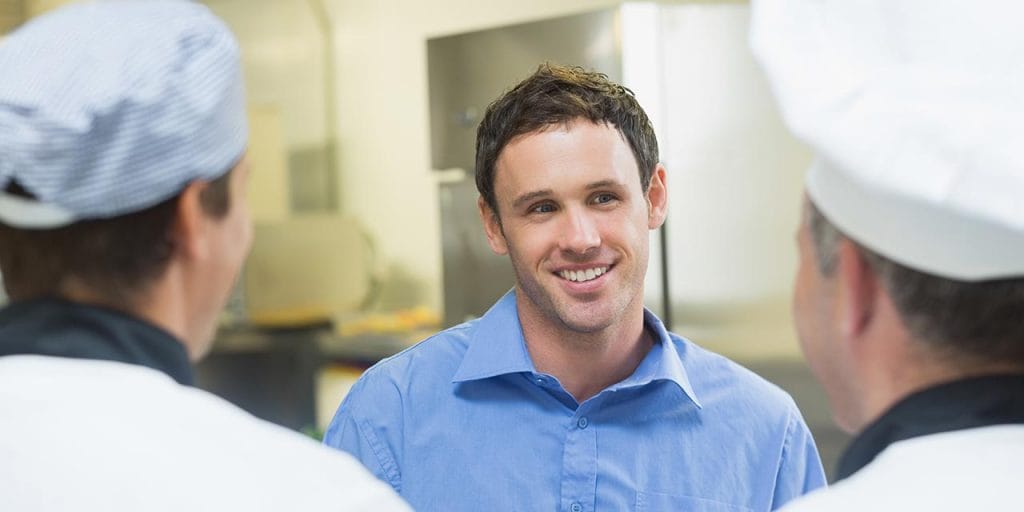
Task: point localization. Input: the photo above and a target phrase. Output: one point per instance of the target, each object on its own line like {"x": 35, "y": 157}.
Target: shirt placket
{"x": 579, "y": 462}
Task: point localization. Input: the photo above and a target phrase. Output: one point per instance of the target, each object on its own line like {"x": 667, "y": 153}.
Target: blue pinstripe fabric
{"x": 110, "y": 107}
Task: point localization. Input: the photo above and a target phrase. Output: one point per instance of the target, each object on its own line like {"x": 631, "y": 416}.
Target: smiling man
{"x": 568, "y": 395}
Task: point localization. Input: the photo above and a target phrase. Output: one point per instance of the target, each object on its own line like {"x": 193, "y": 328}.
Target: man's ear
{"x": 856, "y": 292}
{"x": 191, "y": 223}
{"x": 492, "y": 227}
{"x": 657, "y": 198}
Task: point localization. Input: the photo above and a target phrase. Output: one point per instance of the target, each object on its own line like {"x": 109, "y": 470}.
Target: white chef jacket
{"x": 79, "y": 434}
{"x": 957, "y": 446}
{"x": 976, "y": 469}
{"x": 96, "y": 413}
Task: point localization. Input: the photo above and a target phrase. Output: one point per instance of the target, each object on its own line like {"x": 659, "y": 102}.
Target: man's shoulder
{"x": 439, "y": 353}
{"x": 718, "y": 380}
{"x": 972, "y": 469}
{"x": 426, "y": 366}
{"x": 128, "y": 416}
{"x": 143, "y": 401}
{"x": 317, "y": 476}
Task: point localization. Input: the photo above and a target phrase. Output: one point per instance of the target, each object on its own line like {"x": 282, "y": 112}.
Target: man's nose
{"x": 580, "y": 233}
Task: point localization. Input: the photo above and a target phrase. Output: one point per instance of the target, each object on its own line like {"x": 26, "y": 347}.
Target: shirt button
{"x": 576, "y": 507}
{"x": 582, "y": 423}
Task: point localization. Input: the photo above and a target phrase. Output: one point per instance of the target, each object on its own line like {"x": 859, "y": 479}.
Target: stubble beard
{"x": 563, "y": 316}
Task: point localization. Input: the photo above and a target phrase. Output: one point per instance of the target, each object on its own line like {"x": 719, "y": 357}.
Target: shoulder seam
{"x": 387, "y": 360}
{"x": 383, "y": 456}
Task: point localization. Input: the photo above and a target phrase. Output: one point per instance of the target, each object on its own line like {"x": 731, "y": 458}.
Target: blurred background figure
{"x": 910, "y": 290}
{"x": 123, "y": 225}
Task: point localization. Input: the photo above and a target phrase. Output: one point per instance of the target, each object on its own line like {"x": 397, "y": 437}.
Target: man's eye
{"x": 604, "y": 198}
{"x": 543, "y": 208}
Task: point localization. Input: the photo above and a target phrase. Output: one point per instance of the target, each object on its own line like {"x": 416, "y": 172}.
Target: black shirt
{"x": 55, "y": 327}
{"x": 959, "y": 405}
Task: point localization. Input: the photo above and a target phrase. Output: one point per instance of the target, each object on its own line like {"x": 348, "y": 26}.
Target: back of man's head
{"x": 108, "y": 110}
{"x": 970, "y": 324}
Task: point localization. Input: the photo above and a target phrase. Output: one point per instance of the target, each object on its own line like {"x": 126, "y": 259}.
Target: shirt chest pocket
{"x": 659, "y": 502}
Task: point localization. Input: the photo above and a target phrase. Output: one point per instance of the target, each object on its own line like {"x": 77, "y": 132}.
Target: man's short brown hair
{"x": 558, "y": 95}
{"x": 117, "y": 257}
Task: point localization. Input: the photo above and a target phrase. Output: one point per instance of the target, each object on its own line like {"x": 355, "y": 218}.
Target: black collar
{"x": 54, "y": 327}
{"x": 969, "y": 403}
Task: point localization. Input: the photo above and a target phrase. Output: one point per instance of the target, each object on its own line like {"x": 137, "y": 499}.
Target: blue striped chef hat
{"x": 111, "y": 107}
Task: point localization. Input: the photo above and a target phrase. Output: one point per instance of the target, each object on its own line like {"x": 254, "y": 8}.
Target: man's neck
{"x": 925, "y": 371}
{"x": 587, "y": 363}
{"x": 148, "y": 307}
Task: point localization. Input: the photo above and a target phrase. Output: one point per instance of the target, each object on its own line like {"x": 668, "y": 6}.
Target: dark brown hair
{"x": 977, "y": 321}
{"x": 560, "y": 95}
{"x": 118, "y": 257}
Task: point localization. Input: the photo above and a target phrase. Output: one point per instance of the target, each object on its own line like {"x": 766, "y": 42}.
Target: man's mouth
{"x": 580, "y": 276}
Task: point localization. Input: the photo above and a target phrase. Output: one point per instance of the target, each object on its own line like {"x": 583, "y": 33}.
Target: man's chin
{"x": 586, "y": 322}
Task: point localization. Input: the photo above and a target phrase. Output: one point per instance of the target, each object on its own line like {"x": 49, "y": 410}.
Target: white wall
{"x": 738, "y": 172}
{"x": 282, "y": 54}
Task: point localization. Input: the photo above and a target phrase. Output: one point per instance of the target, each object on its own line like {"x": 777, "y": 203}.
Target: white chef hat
{"x": 915, "y": 109}
{"x": 107, "y": 108}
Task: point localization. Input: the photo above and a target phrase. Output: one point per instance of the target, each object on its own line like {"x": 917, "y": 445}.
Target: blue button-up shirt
{"x": 464, "y": 421}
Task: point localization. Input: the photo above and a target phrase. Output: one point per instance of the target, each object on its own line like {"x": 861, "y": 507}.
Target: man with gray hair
{"x": 123, "y": 225}
{"x": 910, "y": 293}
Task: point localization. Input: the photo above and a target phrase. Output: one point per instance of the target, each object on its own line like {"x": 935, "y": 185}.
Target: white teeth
{"x": 583, "y": 275}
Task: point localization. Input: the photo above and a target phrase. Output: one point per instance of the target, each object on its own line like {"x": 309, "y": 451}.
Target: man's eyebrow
{"x": 530, "y": 196}
{"x": 603, "y": 184}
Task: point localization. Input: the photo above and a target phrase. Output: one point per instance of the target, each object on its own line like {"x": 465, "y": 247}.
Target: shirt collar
{"x": 496, "y": 344}
{"x": 497, "y": 347}
{"x": 60, "y": 328}
{"x": 663, "y": 362}
{"x": 969, "y": 403}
